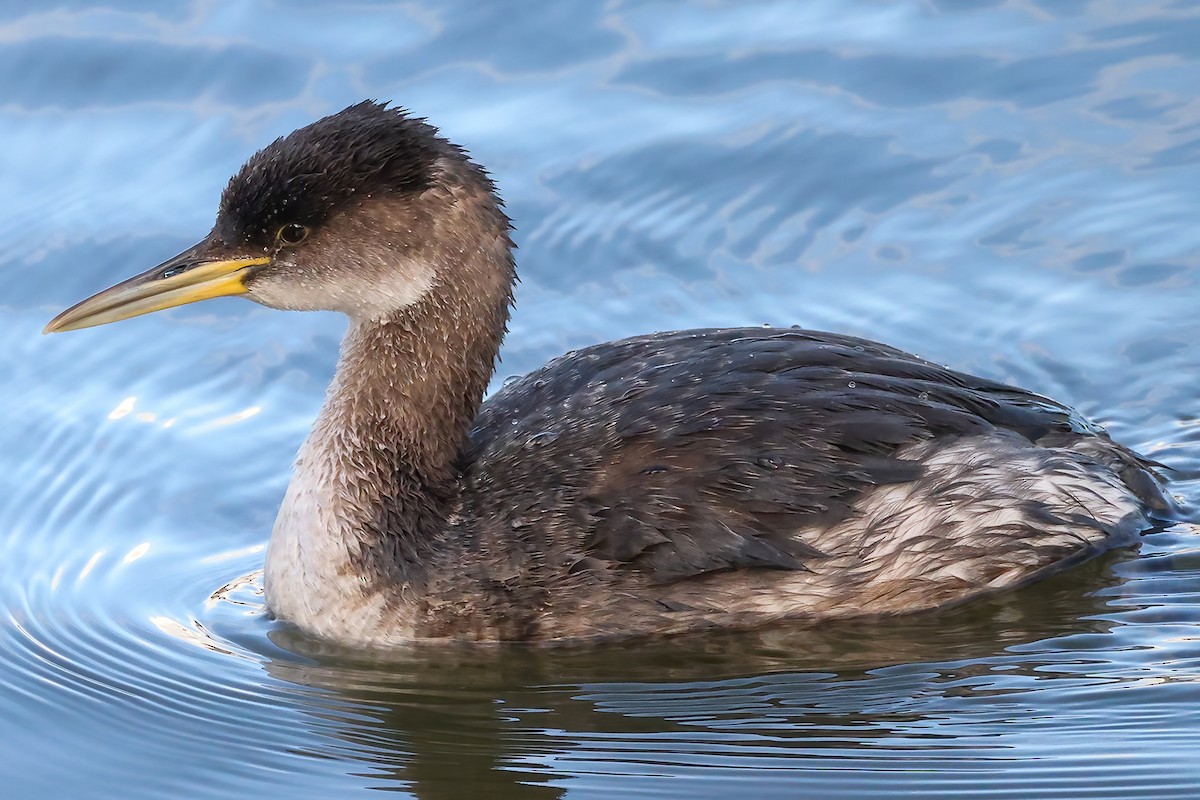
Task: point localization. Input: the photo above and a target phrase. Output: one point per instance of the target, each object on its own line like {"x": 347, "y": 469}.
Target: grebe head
{"x": 363, "y": 212}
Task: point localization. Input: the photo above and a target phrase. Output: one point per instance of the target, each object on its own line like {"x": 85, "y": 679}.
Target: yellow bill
{"x": 187, "y": 278}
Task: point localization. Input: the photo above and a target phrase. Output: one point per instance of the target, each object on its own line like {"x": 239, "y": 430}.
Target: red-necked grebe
{"x": 721, "y": 478}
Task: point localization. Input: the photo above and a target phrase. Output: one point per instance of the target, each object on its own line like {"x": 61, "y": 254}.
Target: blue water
{"x": 1012, "y": 188}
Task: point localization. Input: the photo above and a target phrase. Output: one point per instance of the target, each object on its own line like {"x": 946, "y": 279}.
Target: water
{"x": 1010, "y": 188}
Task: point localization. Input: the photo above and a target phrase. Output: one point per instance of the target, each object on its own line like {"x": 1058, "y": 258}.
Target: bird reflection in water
{"x": 521, "y": 722}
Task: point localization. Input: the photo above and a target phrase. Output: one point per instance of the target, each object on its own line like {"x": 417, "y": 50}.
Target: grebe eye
{"x": 292, "y": 233}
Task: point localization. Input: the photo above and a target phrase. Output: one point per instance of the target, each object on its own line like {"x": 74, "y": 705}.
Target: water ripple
{"x": 1006, "y": 187}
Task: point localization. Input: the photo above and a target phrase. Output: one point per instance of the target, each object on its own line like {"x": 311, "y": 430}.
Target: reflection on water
{"x": 916, "y": 694}
{"x": 1006, "y": 187}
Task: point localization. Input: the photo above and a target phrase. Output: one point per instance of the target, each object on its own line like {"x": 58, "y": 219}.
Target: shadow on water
{"x": 445, "y": 721}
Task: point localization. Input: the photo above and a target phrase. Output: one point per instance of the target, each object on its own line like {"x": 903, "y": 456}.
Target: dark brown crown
{"x": 306, "y": 176}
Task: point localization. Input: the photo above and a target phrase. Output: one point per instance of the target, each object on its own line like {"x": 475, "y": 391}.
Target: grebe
{"x": 672, "y": 482}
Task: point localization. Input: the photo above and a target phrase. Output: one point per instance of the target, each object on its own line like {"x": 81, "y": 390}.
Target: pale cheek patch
{"x": 361, "y": 292}
{"x": 394, "y": 291}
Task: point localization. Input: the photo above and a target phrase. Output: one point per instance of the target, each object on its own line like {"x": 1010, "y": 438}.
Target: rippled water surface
{"x": 1012, "y": 188}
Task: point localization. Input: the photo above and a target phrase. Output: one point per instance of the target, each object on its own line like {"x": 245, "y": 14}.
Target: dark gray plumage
{"x": 748, "y": 435}
{"x": 635, "y": 466}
